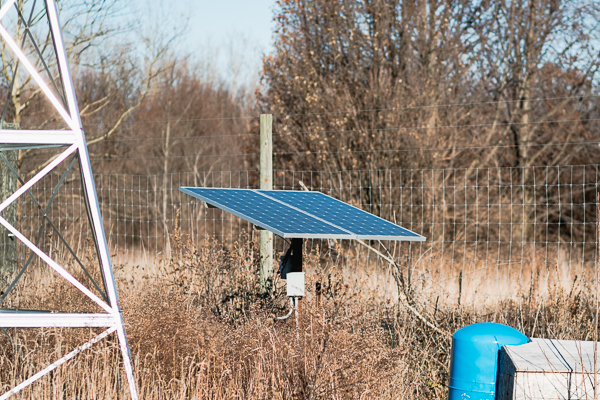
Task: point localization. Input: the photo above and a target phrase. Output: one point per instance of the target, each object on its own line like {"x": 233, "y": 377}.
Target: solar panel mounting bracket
{"x": 292, "y": 260}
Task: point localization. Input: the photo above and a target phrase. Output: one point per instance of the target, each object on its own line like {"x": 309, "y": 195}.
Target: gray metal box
{"x": 547, "y": 369}
{"x": 295, "y": 284}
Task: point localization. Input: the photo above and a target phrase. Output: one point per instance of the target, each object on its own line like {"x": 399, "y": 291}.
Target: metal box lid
{"x": 551, "y": 355}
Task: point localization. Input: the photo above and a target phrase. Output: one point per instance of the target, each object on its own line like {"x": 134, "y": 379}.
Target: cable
{"x": 440, "y": 105}
{"x": 173, "y": 138}
{"x": 349, "y": 131}
{"x": 175, "y": 120}
{"x": 306, "y": 152}
{"x": 117, "y": 158}
{"x": 356, "y": 111}
{"x": 438, "y": 127}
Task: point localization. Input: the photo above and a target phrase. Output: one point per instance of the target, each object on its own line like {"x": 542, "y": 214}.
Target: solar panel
{"x": 266, "y": 213}
{"x": 363, "y": 224}
{"x": 295, "y": 214}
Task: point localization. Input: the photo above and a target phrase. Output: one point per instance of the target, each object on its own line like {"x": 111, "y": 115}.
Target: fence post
{"x": 266, "y": 183}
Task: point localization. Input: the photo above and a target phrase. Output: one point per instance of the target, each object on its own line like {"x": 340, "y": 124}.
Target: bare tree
{"x": 366, "y": 87}
{"x": 539, "y": 49}
{"x": 85, "y": 24}
{"x": 354, "y": 82}
{"x": 112, "y": 75}
{"x": 185, "y": 124}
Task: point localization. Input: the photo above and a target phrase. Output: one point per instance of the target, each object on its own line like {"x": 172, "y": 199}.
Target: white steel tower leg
{"x": 90, "y": 189}
{"x": 75, "y": 138}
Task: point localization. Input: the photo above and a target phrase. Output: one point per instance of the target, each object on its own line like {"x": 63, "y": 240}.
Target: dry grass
{"x": 198, "y": 329}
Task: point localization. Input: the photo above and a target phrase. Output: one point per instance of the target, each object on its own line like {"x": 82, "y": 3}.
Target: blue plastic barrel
{"x": 474, "y": 362}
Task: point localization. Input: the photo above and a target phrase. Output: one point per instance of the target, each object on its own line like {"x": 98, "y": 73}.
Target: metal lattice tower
{"x": 72, "y": 146}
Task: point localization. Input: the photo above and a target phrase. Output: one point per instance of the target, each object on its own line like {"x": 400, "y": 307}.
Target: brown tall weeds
{"x": 198, "y": 329}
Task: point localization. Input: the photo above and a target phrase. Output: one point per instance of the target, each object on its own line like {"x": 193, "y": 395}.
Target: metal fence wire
{"x": 493, "y": 234}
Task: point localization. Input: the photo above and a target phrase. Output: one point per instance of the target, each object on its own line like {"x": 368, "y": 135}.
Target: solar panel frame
{"x": 287, "y": 234}
{"x": 282, "y": 231}
{"x": 406, "y": 234}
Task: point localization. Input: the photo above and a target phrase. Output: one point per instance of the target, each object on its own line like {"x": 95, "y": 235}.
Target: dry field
{"x": 198, "y": 329}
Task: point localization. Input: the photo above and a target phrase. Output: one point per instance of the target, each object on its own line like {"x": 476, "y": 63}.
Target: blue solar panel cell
{"x": 266, "y": 213}
{"x": 294, "y": 214}
{"x": 365, "y": 225}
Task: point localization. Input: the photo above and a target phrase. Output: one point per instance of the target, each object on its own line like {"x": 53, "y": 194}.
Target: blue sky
{"x": 234, "y": 32}
{"x": 217, "y": 20}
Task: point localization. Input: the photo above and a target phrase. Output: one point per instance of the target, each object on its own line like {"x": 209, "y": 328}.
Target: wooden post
{"x": 266, "y": 183}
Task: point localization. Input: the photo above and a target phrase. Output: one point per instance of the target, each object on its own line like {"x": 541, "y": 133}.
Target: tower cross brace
{"x": 72, "y": 143}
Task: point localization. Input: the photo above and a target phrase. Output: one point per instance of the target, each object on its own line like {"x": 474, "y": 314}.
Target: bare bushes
{"x": 208, "y": 333}
{"x": 398, "y": 85}
{"x": 215, "y": 278}
{"x": 201, "y": 331}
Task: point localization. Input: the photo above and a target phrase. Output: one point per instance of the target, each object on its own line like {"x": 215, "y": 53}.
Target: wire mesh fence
{"x": 493, "y": 234}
